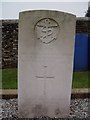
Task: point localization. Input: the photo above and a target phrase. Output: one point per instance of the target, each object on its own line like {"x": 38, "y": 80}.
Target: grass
{"x": 80, "y": 80}
{"x": 9, "y": 79}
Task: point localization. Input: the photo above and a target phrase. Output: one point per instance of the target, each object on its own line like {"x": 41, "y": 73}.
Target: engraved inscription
{"x": 47, "y": 30}
{"x": 44, "y": 77}
{"x": 45, "y": 74}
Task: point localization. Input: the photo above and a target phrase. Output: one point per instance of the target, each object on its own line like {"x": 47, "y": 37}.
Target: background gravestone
{"x": 46, "y": 47}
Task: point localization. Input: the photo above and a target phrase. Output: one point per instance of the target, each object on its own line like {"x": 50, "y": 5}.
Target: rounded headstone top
{"x": 47, "y": 11}
{"x": 46, "y": 25}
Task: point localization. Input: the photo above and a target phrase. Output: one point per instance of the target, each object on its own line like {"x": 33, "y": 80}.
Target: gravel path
{"x": 78, "y": 108}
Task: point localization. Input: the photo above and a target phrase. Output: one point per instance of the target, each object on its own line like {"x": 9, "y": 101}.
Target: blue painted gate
{"x": 81, "y": 52}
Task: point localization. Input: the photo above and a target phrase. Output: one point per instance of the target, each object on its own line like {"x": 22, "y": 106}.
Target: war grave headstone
{"x": 45, "y": 67}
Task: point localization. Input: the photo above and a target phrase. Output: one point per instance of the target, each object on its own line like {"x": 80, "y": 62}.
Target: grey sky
{"x": 10, "y": 10}
{"x": 44, "y": 0}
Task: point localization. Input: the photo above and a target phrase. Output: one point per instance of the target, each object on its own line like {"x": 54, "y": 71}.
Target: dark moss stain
{"x": 39, "y": 110}
{"x": 57, "y": 112}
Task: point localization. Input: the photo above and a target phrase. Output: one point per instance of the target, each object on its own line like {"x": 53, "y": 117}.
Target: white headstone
{"x": 46, "y": 48}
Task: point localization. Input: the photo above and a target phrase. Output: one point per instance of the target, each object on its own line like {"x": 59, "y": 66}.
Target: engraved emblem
{"x": 47, "y": 30}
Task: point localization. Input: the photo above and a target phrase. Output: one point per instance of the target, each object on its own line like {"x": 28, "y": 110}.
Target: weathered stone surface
{"x": 46, "y": 47}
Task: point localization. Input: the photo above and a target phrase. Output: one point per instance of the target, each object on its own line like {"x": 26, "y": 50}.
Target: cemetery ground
{"x": 9, "y": 79}
{"x": 78, "y": 107}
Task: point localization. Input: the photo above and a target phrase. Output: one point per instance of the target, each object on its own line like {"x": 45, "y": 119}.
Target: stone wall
{"x": 83, "y": 25}
{"x": 9, "y": 43}
{"x": 10, "y": 39}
